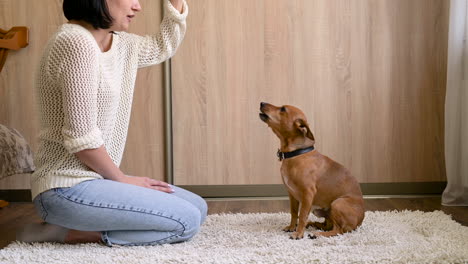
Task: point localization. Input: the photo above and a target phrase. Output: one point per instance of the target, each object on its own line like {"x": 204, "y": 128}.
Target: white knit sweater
{"x": 85, "y": 96}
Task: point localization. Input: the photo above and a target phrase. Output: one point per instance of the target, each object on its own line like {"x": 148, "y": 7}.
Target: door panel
{"x": 370, "y": 76}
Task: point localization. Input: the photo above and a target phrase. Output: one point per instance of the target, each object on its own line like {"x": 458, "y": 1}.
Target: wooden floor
{"x": 16, "y": 215}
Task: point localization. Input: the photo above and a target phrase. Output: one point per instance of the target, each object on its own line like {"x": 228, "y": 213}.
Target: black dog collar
{"x": 285, "y": 155}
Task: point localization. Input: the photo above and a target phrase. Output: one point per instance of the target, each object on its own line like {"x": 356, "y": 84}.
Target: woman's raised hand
{"x": 178, "y": 4}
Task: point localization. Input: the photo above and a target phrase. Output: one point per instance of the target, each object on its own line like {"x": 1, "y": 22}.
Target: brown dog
{"x": 313, "y": 180}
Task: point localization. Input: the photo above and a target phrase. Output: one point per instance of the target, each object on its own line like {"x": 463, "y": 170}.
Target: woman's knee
{"x": 195, "y": 200}
{"x": 191, "y": 222}
{"x": 202, "y": 206}
{"x": 203, "y": 210}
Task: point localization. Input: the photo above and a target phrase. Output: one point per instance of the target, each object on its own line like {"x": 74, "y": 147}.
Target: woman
{"x": 85, "y": 86}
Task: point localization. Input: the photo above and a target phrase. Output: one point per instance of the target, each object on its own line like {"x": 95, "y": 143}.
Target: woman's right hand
{"x": 147, "y": 183}
{"x": 177, "y": 4}
{"x": 99, "y": 161}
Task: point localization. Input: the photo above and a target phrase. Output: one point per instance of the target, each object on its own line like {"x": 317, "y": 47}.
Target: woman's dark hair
{"x": 94, "y": 12}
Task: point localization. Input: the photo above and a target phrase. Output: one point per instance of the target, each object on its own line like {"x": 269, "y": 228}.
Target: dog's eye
{"x": 283, "y": 109}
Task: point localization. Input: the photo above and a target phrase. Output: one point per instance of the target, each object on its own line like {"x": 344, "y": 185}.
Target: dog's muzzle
{"x": 263, "y": 117}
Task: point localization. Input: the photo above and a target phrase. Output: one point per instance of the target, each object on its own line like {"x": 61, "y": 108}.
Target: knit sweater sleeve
{"x": 78, "y": 78}
{"x": 154, "y": 49}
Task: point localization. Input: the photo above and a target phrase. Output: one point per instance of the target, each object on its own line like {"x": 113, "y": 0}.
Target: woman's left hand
{"x": 147, "y": 183}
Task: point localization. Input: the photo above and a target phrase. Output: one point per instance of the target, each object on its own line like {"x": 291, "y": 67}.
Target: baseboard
{"x": 404, "y": 188}
{"x": 273, "y": 190}
{"x": 16, "y": 195}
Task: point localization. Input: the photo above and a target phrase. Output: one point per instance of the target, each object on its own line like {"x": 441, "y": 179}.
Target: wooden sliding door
{"x": 370, "y": 76}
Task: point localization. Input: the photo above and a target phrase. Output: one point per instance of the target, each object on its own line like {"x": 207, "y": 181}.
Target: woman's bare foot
{"x": 77, "y": 236}
{"x": 41, "y": 232}
{"x": 45, "y": 232}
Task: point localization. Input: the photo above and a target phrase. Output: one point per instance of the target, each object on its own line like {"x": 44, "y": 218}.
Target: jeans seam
{"x": 43, "y": 207}
{"x": 149, "y": 243}
{"x": 129, "y": 210}
{"x": 105, "y": 238}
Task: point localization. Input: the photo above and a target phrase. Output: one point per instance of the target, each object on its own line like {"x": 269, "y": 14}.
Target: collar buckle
{"x": 280, "y": 155}
{"x": 285, "y": 155}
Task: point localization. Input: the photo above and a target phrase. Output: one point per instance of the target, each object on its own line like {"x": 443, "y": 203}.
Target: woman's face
{"x": 122, "y": 11}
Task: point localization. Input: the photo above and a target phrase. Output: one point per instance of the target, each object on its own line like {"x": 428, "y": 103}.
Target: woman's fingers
{"x": 149, "y": 183}
{"x": 167, "y": 189}
{"x": 160, "y": 185}
{"x": 154, "y": 182}
{"x": 157, "y": 183}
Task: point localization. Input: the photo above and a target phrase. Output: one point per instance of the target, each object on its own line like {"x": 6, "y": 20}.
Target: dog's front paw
{"x": 289, "y": 229}
{"x": 296, "y": 236}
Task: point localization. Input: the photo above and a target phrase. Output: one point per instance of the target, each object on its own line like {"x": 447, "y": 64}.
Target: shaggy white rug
{"x": 384, "y": 237}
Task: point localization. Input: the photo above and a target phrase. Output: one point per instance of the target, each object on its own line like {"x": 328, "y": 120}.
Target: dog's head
{"x": 287, "y": 122}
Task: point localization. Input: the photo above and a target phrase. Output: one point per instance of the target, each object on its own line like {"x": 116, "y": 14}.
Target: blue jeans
{"x": 125, "y": 214}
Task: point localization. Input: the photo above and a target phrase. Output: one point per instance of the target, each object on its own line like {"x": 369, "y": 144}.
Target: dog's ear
{"x": 302, "y": 125}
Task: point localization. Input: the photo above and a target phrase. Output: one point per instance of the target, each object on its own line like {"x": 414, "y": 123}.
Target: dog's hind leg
{"x": 344, "y": 217}
{"x": 333, "y": 232}
{"x": 325, "y": 226}
{"x": 330, "y": 229}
